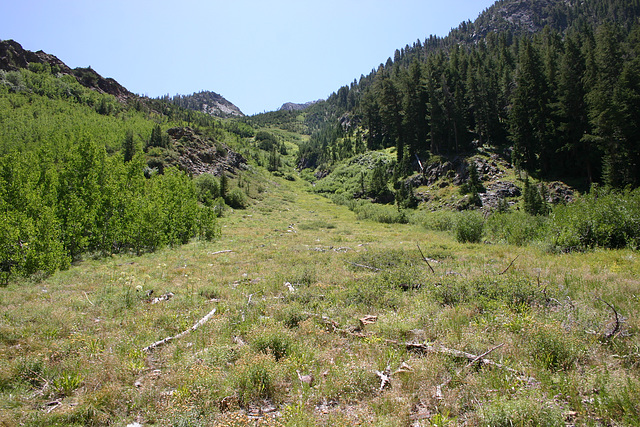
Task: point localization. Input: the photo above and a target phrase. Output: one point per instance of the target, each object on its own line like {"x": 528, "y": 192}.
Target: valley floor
{"x": 324, "y": 320}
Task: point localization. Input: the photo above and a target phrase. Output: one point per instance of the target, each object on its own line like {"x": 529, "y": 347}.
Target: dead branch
{"x": 220, "y": 252}
{"x": 364, "y": 266}
{"x": 477, "y": 358}
{"x": 426, "y": 348}
{"x": 87, "y": 297}
{"x": 616, "y": 329}
{"x": 425, "y": 259}
{"x": 481, "y": 356}
{"x": 509, "y": 266}
{"x": 199, "y": 323}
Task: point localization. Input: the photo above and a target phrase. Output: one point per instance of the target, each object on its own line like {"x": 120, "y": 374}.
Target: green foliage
{"x": 236, "y": 199}
{"x": 522, "y": 411}
{"x": 208, "y": 188}
{"x": 534, "y": 199}
{"x": 276, "y": 344}
{"x": 469, "y": 227}
{"x": 599, "y": 219}
{"x": 515, "y": 228}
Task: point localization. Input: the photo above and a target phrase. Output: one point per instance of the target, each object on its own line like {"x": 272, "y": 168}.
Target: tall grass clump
{"x": 522, "y": 411}
{"x": 599, "y": 219}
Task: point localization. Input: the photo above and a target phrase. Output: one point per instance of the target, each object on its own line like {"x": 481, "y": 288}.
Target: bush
{"x": 442, "y": 220}
{"x": 276, "y": 344}
{"x": 236, "y": 199}
{"x": 387, "y": 214}
{"x": 208, "y": 188}
{"x": 599, "y": 219}
{"x": 515, "y": 228}
{"x": 469, "y": 227}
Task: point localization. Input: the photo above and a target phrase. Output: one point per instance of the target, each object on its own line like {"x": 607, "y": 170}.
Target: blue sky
{"x": 257, "y": 54}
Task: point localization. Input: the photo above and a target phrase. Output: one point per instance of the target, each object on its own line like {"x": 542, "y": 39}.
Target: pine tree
{"x": 128, "y": 146}
{"x": 530, "y": 112}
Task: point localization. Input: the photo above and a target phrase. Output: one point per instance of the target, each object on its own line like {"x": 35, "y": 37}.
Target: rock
{"x": 559, "y": 192}
{"x": 198, "y": 154}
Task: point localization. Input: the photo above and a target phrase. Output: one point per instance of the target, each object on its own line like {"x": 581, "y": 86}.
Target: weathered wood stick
{"x": 162, "y": 342}
{"x": 509, "y": 266}
{"x": 425, "y": 259}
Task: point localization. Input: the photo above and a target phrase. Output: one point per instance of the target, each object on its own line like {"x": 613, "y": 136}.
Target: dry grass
{"x": 71, "y": 346}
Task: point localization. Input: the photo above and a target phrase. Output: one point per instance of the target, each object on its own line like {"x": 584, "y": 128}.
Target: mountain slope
{"x": 14, "y": 57}
{"x": 551, "y": 85}
{"x": 207, "y": 102}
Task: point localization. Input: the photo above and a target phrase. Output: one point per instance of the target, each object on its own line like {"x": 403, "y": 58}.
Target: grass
{"x": 71, "y": 345}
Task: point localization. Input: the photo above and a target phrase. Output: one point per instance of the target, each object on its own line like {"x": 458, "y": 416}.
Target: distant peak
{"x": 291, "y": 106}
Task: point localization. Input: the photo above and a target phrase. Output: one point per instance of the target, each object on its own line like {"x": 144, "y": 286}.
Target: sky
{"x": 257, "y": 54}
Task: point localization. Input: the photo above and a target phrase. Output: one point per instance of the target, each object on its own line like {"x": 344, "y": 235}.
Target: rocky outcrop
{"x": 292, "y": 106}
{"x": 198, "y": 154}
{"x": 14, "y": 57}
{"x": 207, "y": 102}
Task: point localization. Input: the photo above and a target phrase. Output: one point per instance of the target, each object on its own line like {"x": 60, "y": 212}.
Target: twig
{"x": 199, "y": 323}
{"x": 458, "y": 353}
{"x": 364, "y": 266}
{"x": 425, "y": 259}
{"x": 509, "y": 266}
{"x": 615, "y": 312}
{"x": 220, "y": 252}
{"x": 444, "y": 384}
{"x": 482, "y": 356}
{"x": 87, "y": 297}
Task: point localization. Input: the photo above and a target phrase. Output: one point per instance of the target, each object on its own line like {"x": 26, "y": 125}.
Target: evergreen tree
{"x": 530, "y": 114}
{"x": 128, "y": 146}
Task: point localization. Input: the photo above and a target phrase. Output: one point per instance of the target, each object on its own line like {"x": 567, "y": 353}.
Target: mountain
{"x": 549, "y": 85}
{"x": 291, "y": 106}
{"x": 14, "y": 57}
{"x": 208, "y": 102}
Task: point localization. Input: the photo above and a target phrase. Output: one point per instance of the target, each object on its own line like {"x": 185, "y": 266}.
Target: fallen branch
{"x": 425, "y": 348}
{"x": 199, "y": 323}
{"x": 615, "y": 312}
{"x": 87, "y": 297}
{"x": 220, "y": 252}
{"x": 509, "y": 266}
{"x": 425, "y": 259}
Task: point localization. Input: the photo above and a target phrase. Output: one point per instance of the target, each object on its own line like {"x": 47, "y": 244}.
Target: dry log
{"x": 199, "y": 323}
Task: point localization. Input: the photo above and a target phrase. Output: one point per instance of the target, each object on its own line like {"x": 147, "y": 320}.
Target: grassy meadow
{"x": 495, "y": 335}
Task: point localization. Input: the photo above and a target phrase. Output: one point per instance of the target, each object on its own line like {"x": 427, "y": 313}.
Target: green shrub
{"x": 599, "y": 219}
{"x": 256, "y": 379}
{"x": 515, "y": 228}
{"x": 553, "y": 348}
{"x": 469, "y": 227}
{"x": 208, "y": 188}
{"x": 386, "y": 214}
{"x": 441, "y": 220}
{"x": 236, "y": 199}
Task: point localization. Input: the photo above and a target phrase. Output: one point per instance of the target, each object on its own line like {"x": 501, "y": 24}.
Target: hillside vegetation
{"x": 451, "y": 240}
